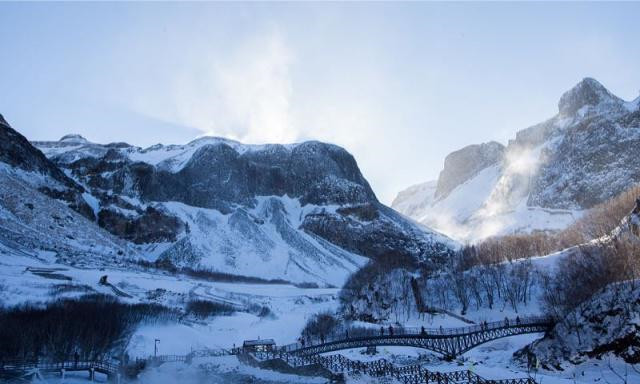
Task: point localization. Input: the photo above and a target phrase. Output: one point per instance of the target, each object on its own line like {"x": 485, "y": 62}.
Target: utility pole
{"x": 155, "y": 347}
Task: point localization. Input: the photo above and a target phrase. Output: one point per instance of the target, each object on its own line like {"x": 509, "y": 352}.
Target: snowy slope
{"x": 34, "y": 223}
{"x": 262, "y": 241}
{"x": 546, "y": 177}
{"x": 415, "y": 199}
{"x": 22, "y": 280}
{"x": 44, "y": 213}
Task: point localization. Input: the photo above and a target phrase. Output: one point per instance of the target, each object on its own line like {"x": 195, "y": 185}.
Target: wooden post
{"x": 92, "y": 374}
{"x": 62, "y": 373}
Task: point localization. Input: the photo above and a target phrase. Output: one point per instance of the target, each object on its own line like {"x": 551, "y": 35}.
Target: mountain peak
{"x": 588, "y": 92}
{"x": 73, "y": 138}
{"x": 3, "y": 121}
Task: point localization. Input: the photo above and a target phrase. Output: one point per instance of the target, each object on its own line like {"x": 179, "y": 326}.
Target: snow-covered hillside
{"x": 608, "y": 323}
{"x": 277, "y": 311}
{"x": 415, "y": 199}
{"x": 544, "y": 179}
{"x": 34, "y": 223}
{"x": 259, "y": 241}
{"x": 46, "y": 214}
{"x": 299, "y": 212}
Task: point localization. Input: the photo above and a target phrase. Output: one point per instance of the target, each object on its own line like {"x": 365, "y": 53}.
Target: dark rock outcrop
{"x": 374, "y": 231}
{"x": 588, "y": 92}
{"x": 217, "y": 176}
{"x": 151, "y": 226}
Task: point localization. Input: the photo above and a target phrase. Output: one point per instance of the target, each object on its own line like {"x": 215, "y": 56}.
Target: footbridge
{"x": 450, "y": 342}
{"x": 26, "y": 368}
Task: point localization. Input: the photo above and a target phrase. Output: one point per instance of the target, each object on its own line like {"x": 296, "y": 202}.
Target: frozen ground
{"x": 220, "y": 370}
{"x": 290, "y": 306}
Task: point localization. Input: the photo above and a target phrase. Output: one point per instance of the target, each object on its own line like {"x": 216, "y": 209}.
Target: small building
{"x": 265, "y": 345}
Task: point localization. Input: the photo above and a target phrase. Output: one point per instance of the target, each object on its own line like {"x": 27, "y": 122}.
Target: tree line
{"x": 499, "y": 271}
{"x": 599, "y": 221}
{"x": 93, "y": 327}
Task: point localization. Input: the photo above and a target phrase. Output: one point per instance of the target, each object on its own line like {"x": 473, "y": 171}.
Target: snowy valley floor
{"x": 290, "y": 308}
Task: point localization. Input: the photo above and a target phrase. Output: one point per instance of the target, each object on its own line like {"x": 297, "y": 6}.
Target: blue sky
{"x": 399, "y": 85}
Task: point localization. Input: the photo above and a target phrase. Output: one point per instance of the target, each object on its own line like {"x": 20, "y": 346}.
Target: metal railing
{"x": 26, "y": 365}
{"x": 410, "y": 374}
{"x": 418, "y": 332}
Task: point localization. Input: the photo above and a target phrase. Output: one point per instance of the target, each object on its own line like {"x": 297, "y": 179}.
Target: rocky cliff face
{"x": 546, "y": 176}
{"x": 463, "y": 164}
{"x": 634, "y": 220}
{"x": 590, "y": 162}
{"x": 216, "y": 173}
{"x": 300, "y": 212}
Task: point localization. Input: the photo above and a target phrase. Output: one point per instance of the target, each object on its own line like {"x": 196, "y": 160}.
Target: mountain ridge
{"x": 548, "y": 174}
{"x": 298, "y": 212}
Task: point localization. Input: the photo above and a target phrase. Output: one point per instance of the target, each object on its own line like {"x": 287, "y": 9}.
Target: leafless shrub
{"x": 589, "y": 269}
{"x": 203, "y": 309}
{"x": 599, "y": 221}
{"x": 320, "y": 326}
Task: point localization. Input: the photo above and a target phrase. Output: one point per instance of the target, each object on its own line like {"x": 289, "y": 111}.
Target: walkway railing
{"x": 365, "y": 334}
{"x": 106, "y": 367}
{"x": 410, "y": 374}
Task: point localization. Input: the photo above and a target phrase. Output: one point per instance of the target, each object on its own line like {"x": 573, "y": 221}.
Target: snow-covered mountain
{"x": 543, "y": 179}
{"x": 44, "y": 213}
{"x": 300, "y": 212}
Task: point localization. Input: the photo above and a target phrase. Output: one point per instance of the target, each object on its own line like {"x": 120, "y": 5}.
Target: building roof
{"x": 253, "y": 343}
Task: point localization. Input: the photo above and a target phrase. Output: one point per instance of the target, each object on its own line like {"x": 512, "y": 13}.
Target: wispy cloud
{"x": 246, "y": 94}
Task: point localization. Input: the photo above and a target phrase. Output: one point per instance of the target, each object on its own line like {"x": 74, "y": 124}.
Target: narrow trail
{"x": 210, "y": 296}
